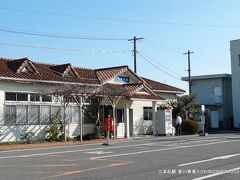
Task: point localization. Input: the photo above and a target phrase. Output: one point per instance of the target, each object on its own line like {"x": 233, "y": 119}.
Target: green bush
{"x": 190, "y": 126}
{"x": 27, "y": 137}
{"x": 54, "y": 132}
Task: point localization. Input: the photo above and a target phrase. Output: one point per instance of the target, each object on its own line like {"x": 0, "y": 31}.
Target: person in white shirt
{"x": 178, "y": 125}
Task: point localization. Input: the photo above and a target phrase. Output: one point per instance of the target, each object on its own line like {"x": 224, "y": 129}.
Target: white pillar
{"x": 114, "y": 121}
{"x": 154, "y": 116}
{"x": 126, "y": 118}
{"x": 80, "y": 120}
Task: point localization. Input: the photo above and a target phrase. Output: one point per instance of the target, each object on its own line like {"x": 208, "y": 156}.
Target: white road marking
{"x": 211, "y": 159}
{"x": 81, "y": 145}
{"x": 189, "y": 142}
{"x": 115, "y": 147}
{"x": 33, "y": 149}
{"x": 218, "y": 174}
{"x": 99, "y": 152}
{"x": 163, "y": 149}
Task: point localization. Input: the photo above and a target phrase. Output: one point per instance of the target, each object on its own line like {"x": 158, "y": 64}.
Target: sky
{"x": 94, "y": 34}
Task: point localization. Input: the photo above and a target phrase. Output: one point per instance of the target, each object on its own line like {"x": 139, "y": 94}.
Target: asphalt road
{"x": 183, "y": 157}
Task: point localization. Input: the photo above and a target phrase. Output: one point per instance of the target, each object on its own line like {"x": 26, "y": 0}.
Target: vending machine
{"x": 164, "y": 122}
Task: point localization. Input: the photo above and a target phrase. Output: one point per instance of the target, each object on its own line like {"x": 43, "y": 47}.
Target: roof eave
{"x": 172, "y": 92}
{"x": 45, "y": 81}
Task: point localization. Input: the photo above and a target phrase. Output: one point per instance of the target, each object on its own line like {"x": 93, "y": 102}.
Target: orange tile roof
{"x": 157, "y": 86}
{"x": 54, "y": 72}
{"x": 105, "y": 74}
{"x": 46, "y": 72}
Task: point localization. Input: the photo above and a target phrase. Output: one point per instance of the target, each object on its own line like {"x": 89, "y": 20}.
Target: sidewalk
{"x": 55, "y": 144}
{"x": 48, "y": 144}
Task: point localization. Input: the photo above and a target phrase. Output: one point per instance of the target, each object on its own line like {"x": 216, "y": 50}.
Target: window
{"x": 21, "y": 114}
{"x": 147, "y": 113}
{"x": 16, "y": 96}
{"x": 68, "y": 114}
{"x": 45, "y": 115}
{"x": 120, "y": 114}
{"x": 75, "y": 114}
{"x": 46, "y": 98}
{"x": 10, "y": 115}
{"x": 34, "y": 98}
{"x": 10, "y": 96}
{"x": 56, "y": 114}
{"x": 123, "y": 78}
{"x": 33, "y": 114}
{"x": 89, "y": 114}
{"x": 22, "y": 97}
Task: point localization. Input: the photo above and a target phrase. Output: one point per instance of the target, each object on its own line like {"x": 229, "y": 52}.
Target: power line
{"x": 158, "y": 67}
{"x": 66, "y": 49}
{"x": 122, "y": 20}
{"x": 166, "y": 46}
{"x": 32, "y": 33}
{"x": 161, "y": 64}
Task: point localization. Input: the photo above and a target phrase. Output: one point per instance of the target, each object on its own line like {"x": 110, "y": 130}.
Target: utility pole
{"x": 189, "y": 71}
{"x": 135, "y": 52}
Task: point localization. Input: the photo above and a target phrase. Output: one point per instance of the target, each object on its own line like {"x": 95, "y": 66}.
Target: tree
{"x": 78, "y": 93}
{"x": 186, "y": 106}
{"x": 69, "y": 93}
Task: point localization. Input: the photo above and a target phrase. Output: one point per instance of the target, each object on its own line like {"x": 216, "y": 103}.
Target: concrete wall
{"x": 235, "y": 66}
{"x": 205, "y": 89}
{"x": 13, "y": 133}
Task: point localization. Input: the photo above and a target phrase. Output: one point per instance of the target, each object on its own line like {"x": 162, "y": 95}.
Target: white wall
{"x": 235, "y": 52}
{"x": 12, "y": 133}
{"x": 141, "y": 126}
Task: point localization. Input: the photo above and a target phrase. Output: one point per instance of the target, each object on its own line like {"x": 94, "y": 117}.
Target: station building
{"x": 23, "y": 108}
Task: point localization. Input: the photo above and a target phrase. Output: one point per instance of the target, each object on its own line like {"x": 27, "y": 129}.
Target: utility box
{"x": 164, "y": 122}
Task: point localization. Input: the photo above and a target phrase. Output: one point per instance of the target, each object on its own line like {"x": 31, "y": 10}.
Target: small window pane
{"x": 56, "y": 114}
{"x": 10, "y": 115}
{"x": 46, "y": 98}
{"x": 68, "y": 114}
{"x": 75, "y": 114}
{"x": 89, "y": 114}
{"x": 22, "y": 97}
{"x": 45, "y": 115}
{"x": 33, "y": 114}
{"x": 10, "y": 96}
{"x": 34, "y": 97}
{"x": 147, "y": 113}
{"x": 120, "y": 114}
{"x": 21, "y": 114}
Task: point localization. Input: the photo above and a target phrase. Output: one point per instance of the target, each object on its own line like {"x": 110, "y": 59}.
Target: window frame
{"x": 149, "y": 111}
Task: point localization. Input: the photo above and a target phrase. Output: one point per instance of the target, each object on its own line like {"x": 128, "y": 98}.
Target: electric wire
{"x": 167, "y": 68}
{"x": 146, "y": 59}
{"x": 32, "y": 33}
{"x": 66, "y": 49}
{"x": 161, "y": 46}
{"x": 122, "y": 20}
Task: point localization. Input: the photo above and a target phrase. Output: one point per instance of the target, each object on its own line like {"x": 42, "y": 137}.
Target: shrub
{"x": 54, "y": 132}
{"x": 27, "y": 137}
{"x": 190, "y": 126}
